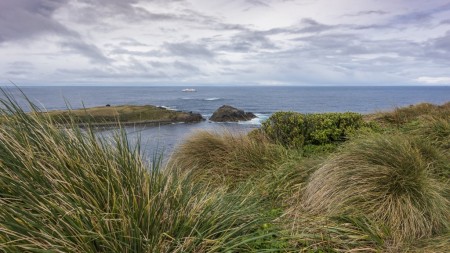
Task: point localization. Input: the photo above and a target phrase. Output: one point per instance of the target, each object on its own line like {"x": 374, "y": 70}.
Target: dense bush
{"x": 293, "y": 129}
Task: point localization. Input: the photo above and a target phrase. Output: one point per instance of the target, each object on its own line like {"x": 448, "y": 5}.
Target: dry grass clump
{"x": 391, "y": 179}
{"x": 435, "y": 130}
{"x": 67, "y": 190}
{"x": 229, "y": 157}
{"x": 404, "y": 115}
{"x": 311, "y": 233}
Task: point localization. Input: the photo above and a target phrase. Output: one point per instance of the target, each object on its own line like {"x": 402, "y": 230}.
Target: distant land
{"x": 104, "y": 116}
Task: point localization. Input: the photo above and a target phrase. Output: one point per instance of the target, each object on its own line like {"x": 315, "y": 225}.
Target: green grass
{"x": 403, "y": 115}
{"x": 122, "y": 113}
{"x": 68, "y": 190}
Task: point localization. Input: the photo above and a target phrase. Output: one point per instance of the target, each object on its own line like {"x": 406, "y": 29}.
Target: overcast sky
{"x": 225, "y": 42}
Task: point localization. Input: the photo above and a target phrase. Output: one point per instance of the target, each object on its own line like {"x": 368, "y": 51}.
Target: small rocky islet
{"x": 227, "y": 113}
{"x": 125, "y": 114}
{"x": 109, "y": 115}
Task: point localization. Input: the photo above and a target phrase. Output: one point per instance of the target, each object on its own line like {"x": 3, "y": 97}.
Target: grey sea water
{"x": 262, "y": 101}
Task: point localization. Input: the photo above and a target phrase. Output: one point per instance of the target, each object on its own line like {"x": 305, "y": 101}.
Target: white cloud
{"x": 434, "y": 80}
{"x": 225, "y": 41}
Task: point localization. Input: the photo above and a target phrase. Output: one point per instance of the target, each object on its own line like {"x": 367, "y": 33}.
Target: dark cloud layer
{"x": 24, "y": 19}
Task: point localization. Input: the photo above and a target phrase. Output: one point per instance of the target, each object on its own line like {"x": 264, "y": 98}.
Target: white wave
{"x": 260, "y": 118}
{"x": 212, "y": 99}
{"x": 168, "y": 108}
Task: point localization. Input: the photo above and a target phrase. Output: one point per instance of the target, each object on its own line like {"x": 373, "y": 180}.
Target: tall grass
{"x": 66, "y": 190}
{"x": 227, "y": 157}
{"x": 402, "y": 115}
{"x": 435, "y": 130}
{"x": 393, "y": 179}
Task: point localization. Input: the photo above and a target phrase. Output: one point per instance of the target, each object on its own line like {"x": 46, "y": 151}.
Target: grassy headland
{"x": 125, "y": 114}
{"x": 302, "y": 183}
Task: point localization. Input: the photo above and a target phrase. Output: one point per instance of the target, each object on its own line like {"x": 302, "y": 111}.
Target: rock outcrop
{"x": 190, "y": 117}
{"x": 228, "y": 113}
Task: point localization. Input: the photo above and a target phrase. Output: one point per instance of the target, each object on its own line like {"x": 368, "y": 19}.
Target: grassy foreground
{"x": 383, "y": 187}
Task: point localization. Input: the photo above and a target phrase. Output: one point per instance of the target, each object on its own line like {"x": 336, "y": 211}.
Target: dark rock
{"x": 195, "y": 117}
{"x": 188, "y": 117}
{"x": 228, "y": 113}
{"x": 107, "y": 105}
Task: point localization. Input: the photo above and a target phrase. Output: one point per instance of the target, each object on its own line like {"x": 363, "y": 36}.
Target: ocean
{"x": 263, "y": 101}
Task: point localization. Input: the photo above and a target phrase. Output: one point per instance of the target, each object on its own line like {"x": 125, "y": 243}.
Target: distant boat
{"x": 189, "y": 90}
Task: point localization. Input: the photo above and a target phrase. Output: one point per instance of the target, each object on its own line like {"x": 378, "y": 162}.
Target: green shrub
{"x": 293, "y": 129}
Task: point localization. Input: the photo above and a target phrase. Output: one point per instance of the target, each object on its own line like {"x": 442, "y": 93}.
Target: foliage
{"x": 67, "y": 190}
{"x": 227, "y": 157}
{"x": 295, "y": 130}
{"x": 435, "y": 130}
{"x": 402, "y": 115}
{"x": 394, "y": 179}
{"x": 115, "y": 114}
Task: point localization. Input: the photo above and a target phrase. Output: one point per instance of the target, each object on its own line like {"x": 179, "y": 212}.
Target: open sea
{"x": 263, "y": 101}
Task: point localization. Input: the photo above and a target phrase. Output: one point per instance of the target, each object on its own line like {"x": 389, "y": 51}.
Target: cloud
{"x": 90, "y": 51}
{"x": 422, "y": 17}
{"x": 434, "y": 80}
{"x": 189, "y": 49}
{"x": 257, "y": 3}
{"x": 365, "y": 13}
{"x": 111, "y": 75}
{"x": 23, "y": 19}
{"x": 19, "y": 69}
{"x": 273, "y": 41}
{"x": 95, "y": 11}
{"x": 306, "y": 25}
{"x": 442, "y": 43}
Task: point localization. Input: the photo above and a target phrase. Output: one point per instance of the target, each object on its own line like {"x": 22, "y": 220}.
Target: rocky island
{"x": 228, "y": 113}
{"x": 104, "y": 116}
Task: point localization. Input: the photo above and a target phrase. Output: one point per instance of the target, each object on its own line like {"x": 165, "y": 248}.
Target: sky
{"x": 225, "y": 42}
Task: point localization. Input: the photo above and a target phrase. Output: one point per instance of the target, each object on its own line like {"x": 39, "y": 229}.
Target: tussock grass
{"x": 69, "y": 190}
{"x": 436, "y": 131}
{"x": 392, "y": 179}
{"x": 66, "y": 190}
{"x": 312, "y": 233}
{"x": 227, "y": 157}
{"x": 402, "y": 115}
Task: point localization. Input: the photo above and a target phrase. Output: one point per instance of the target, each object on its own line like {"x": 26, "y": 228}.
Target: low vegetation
{"x": 227, "y": 157}
{"x": 303, "y": 183}
{"x": 292, "y": 129}
{"x": 68, "y": 191}
{"x": 125, "y": 114}
{"x": 393, "y": 179}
